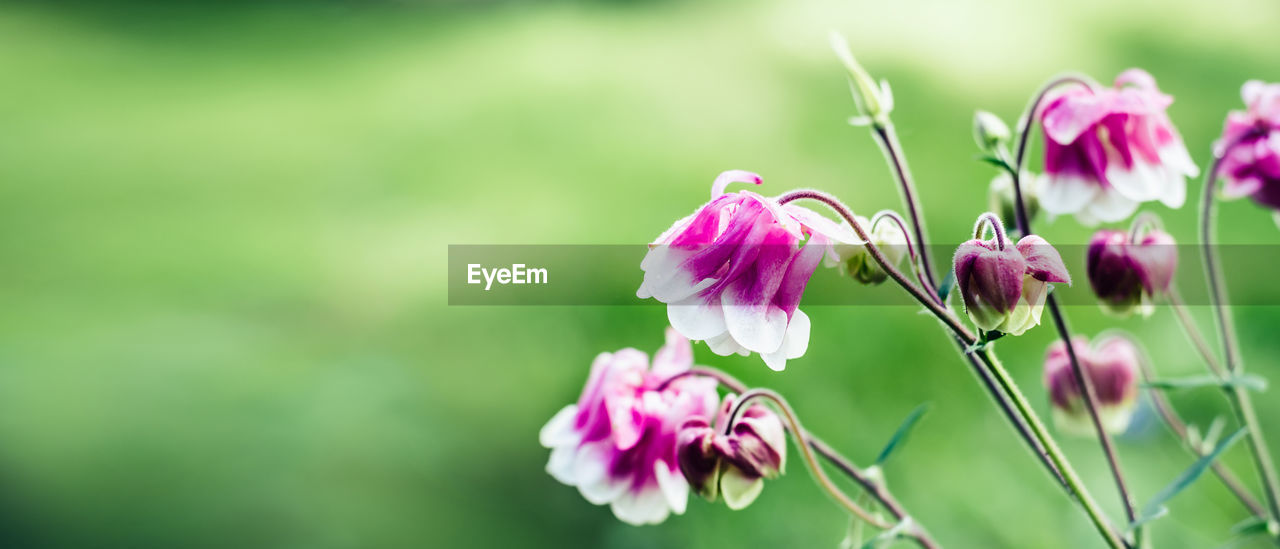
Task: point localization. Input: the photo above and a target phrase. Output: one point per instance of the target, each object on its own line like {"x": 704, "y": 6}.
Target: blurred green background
{"x": 224, "y": 229}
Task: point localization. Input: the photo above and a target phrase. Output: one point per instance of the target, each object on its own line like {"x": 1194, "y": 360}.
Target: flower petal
{"x": 1043, "y": 260}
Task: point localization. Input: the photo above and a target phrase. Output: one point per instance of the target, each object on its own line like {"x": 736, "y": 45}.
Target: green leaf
{"x": 900, "y": 436}
{"x": 948, "y": 283}
{"x": 1250, "y": 526}
{"x": 995, "y": 161}
{"x": 1155, "y": 508}
{"x": 1248, "y": 381}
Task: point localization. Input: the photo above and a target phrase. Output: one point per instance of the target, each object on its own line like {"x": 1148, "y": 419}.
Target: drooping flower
{"x": 1112, "y": 368}
{"x": 732, "y": 462}
{"x": 855, "y": 261}
{"x": 1004, "y": 286}
{"x": 1127, "y": 276}
{"x": 617, "y": 444}
{"x": 1252, "y": 165}
{"x": 1108, "y": 150}
{"x": 733, "y": 272}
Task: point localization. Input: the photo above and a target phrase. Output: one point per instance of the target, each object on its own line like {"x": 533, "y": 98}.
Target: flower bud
{"x": 732, "y": 465}
{"x": 1002, "y": 200}
{"x": 874, "y": 101}
{"x": 1125, "y": 275}
{"x": 1004, "y": 287}
{"x": 1112, "y": 368}
{"x": 856, "y": 262}
{"x": 989, "y": 131}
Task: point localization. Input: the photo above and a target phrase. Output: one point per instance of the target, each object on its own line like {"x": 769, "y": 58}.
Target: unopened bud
{"x": 989, "y": 131}
{"x": 732, "y": 465}
{"x": 874, "y": 101}
{"x": 856, "y": 262}
{"x": 1111, "y": 366}
{"x": 1126, "y": 276}
{"x": 1003, "y": 201}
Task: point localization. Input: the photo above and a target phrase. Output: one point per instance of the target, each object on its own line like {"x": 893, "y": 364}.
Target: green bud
{"x": 856, "y": 262}
{"x": 874, "y": 101}
{"x": 989, "y": 131}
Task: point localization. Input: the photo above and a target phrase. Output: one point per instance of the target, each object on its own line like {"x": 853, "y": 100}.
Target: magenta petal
{"x": 1043, "y": 261}
{"x": 997, "y": 276}
{"x": 798, "y": 273}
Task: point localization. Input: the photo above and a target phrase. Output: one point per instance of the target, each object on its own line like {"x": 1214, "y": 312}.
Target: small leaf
{"x": 1250, "y": 526}
{"x": 1155, "y": 508}
{"x": 900, "y": 435}
{"x": 995, "y": 161}
{"x": 898, "y": 531}
{"x": 1248, "y": 381}
{"x": 948, "y": 283}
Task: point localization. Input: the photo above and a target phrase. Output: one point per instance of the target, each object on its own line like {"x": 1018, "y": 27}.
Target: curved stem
{"x": 912, "y": 252}
{"x": 810, "y": 458}
{"x": 1090, "y": 401}
{"x": 1193, "y": 332}
{"x": 876, "y": 490}
{"x": 1141, "y": 222}
{"x": 1179, "y": 429}
{"x": 1024, "y": 227}
{"x": 1242, "y": 402}
{"x": 928, "y": 299}
{"x": 1010, "y": 390}
{"x": 997, "y": 227}
{"x": 1024, "y": 133}
{"x": 888, "y": 140}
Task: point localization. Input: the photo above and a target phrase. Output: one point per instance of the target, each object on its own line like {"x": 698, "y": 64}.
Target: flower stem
{"x": 1024, "y": 226}
{"x": 870, "y": 486}
{"x": 1179, "y": 428}
{"x": 962, "y": 333}
{"x": 1239, "y": 396}
{"x": 1069, "y": 475}
{"x": 888, "y": 140}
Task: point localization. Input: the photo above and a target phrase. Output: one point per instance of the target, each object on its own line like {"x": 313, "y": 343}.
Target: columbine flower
{"x": 733, "y": 465}
{"x": 855, "y": 261}
{"x": 1126, "y": 275}
{"x": 733, "y": 272}
{"x": 1252, "y": 166}
{"x": 1112, "y": 368}
{"x": 618, "y": 443}
{"x": 1004, "y": 287}
{"x": 1108, "y": 150}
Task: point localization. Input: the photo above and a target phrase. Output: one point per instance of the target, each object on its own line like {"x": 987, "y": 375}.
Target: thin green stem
{"x": 967, "y": 337}
{"x": 888, "y": 140}
{"x": 872, "y": 487}
{"x": 1024, "y": 226}
{"x": 1241, "y": 401}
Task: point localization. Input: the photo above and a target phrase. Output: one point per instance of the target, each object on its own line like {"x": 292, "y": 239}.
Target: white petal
{"x": 559, "y": 431}
{"x": 647, "y": 506}
{"x": 591, "y": 471}
{"x": 1065, "y": 194}
{"x": 561, "y": 464}
{"x": 724, "y": 345}
{"x": 664, "y": 277}
{"x": 757, "y": 327}
{"x": 674, "y": 487}
{"x": 794, "y": 343}
{"x": 738, "y": 490}
{"x": 1111, "y": 206}
{"x": 1140, "y": 182}
{"x": 697, "y": 319}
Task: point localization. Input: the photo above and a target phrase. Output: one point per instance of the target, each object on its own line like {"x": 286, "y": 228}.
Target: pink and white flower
{"x": 617, "y": 445}
{"x": 1004, "y": 286}
{"x": 1112, "y": 368}
{"x": 733, "y": 272}
{"x": 1252, "y": 165}
{"x": 732, "y": 461}
{"x": 1108, "y": 150}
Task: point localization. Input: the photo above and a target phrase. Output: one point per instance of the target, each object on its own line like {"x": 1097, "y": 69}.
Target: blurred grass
{"x": 225, "y": 230}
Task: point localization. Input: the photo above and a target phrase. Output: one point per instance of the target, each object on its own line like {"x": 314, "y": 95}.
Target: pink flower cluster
{"x": 1250, "y": 146}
